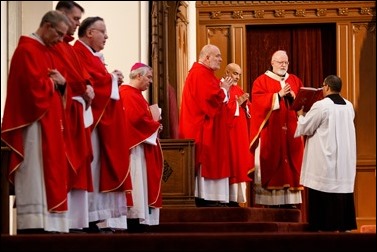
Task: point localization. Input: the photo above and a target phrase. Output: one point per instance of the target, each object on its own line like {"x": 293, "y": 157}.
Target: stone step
{"x": 221, "y": 227}
{"x": 192, "y": 241}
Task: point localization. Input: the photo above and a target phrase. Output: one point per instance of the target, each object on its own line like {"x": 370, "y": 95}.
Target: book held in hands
{"x": 156, "y": 112}
{"x": 306, "y": 97}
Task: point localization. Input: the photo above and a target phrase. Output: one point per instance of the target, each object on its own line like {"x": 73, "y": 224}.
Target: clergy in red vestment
{"x": 110, "y": 166}
{"x": 78, "y": 119}
{"x": 146, "y": 160}
{"x": 241, "y": 162}
{"x": 33, "y": 128}
{"x": 278, "y": 155}
{"x": 203, "y": 118}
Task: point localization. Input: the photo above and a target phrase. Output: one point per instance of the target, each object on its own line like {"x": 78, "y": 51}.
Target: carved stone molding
{"x": 321, "y": 12}
{"x": 365, "y": 11}
{"x": 237, "y": 14}
{"x": 259, "y": 13}
{"x": 212, "y": 30}
{"x": 270, "y": 10}
{"x": 215, "y": 14}
{"x": 370, "y": 27}
{"x": 300, "y": 13}
{"x": 343, "y": 12}
{"x": 279, "y": 13}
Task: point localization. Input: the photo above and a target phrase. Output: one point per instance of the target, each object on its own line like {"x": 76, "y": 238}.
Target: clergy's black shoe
{"x": 76, "y": 231}
{"x": 134, "y": 226}
{"x": 93, "y": 228}
{"x": 107, "y": 230}
{"x": 288, "y": 206}
{"x": 199, "y": 202}
{"x": 284, "y": 206}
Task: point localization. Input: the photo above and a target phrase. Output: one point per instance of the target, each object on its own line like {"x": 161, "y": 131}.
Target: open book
{"x": 156, "y": 112}
{"x": 306, "y": 97}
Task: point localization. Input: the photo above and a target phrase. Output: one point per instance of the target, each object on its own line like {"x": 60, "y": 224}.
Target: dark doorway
{"x": 311, "y": 49}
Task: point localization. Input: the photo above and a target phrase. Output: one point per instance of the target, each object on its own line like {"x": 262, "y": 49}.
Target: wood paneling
{"x": 362, "y": 85}
{"x": 221, "y": 36}
{"x": 238, "y": 51}
{"x": 178, "y": 177}
{"x": 4, "y": 190}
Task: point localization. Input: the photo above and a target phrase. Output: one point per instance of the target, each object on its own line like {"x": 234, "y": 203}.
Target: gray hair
{"x": 54, "y": 18}
{"x": 207, "y": 50}
{"x": 141, "y": 70}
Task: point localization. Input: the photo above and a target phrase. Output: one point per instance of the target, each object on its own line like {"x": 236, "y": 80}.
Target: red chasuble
{"x": 239, "y": 131}
{"x": 280, "y": 153}
{"x": 203, "y": 118}
{"x": 140, "y": 126}
{"x": 77, "y": 137}
{"x": 109, "y": 121}
{"x": 31, "y": 98}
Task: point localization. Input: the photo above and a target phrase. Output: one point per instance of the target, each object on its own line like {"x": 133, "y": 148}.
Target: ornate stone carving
{"x": 343, "y": 11}
{"x": 269, "y": 10}
{"x": 215, "y": 14}
{"x": 212, "y": 30}
{"x": 370, "y": 27}
{"x": 279, "y": 13}
{"x": 365, "y": 11}
{"x": 237, "y": 15}
{"x": 259, "y": 13}
{"x": 321, "y": 12}
{"x": 300, "y": 13}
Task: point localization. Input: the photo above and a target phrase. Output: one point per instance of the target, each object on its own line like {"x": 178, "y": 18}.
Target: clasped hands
{"x": 241, "y": 99}
{"x": 286, "y": 91}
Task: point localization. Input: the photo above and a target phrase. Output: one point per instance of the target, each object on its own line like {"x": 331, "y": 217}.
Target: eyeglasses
{"x": 101, "y": 31}
{"x": 282, "y": 62}
{"x": 324, "y": 84}
{"x": 60, "y": 33}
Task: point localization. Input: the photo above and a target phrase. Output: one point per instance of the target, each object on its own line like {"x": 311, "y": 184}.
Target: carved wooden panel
{"x": 362, "y": 93}
{"x": 238, "y": 51}
{"x": 220, "y": 36}
{"x": 362, "y": 72}
{"x": 365, "y": 196}
{"x": 178, "y": 177}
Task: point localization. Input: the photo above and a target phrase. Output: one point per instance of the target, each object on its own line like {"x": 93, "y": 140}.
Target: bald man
{"x": 239, "y": 107}
{"x": 203, "y": 118}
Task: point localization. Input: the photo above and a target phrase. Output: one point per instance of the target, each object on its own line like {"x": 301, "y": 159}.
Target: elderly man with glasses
{"x": 277, "y": 154}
